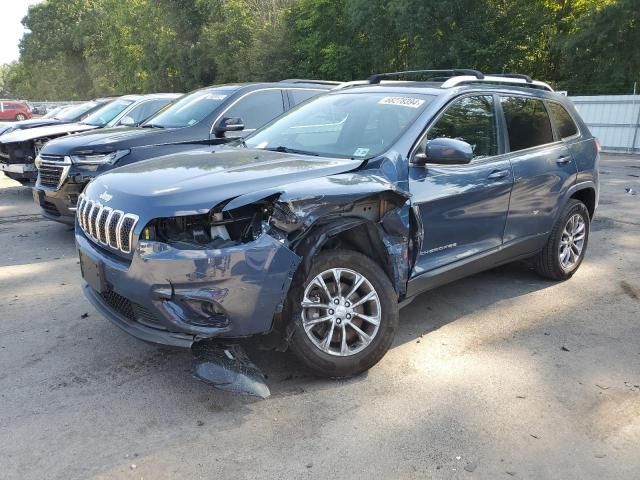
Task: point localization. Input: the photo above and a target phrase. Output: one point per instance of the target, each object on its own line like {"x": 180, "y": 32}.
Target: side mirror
{"x": 128, "y": 122}
{"x": 445, "y": 151}
{"x": 228, "y": 124}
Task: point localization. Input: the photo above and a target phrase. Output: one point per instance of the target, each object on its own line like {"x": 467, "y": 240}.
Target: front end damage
{"x": 202, "y": 280}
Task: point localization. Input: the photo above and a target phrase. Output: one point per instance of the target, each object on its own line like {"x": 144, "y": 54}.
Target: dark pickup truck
{"x": 318, "y": 226}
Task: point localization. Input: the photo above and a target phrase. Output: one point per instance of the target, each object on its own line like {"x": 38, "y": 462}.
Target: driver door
{"x": 462, "y": 208}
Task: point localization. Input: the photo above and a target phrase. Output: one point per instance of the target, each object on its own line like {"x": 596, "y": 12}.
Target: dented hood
{"x": 195, "y": 181}
{"x": 18, "y": 136}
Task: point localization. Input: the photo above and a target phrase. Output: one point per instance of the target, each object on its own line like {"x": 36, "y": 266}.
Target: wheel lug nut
{"x": 338, "y": 321}
{"x": 348, "y": 316}
{"x": 330, "y": 312}
{"x": 347, "y": 304}
{"x": 336, "y": 301}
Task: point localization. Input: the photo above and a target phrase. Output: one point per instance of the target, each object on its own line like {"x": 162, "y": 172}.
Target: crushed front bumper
{"x": 176, "y": 297}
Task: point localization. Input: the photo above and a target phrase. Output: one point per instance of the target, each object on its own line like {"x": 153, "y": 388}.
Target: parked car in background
{"x": 209, "y": 116}
{"x": 68, "y": 114}
{"x": 14, "y": 110}
{"x": 320, "y": 224}
{"x": 19, "y": 149}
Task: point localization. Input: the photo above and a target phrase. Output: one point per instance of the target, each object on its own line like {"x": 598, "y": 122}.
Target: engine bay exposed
{"x": 214, "y": 230}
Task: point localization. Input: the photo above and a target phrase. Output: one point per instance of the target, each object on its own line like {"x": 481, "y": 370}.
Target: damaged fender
{"x": 340, "y": 203}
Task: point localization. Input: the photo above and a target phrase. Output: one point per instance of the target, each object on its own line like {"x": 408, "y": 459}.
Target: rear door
{"x": 462, "y": 208}
{"x": 543, "y": 169}
{"x": 4, "y": 114}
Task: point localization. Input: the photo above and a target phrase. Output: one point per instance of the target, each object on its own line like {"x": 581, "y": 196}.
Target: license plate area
{"x": 92, "y": 272}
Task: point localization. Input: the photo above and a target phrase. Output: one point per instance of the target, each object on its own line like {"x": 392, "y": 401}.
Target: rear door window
{"x": 472, "y": 120}
{"x": 257, "y": 109}
{"x": 299, "y": 96}
{"x": 564, "y": 123}
{"x": 528, "y": 122}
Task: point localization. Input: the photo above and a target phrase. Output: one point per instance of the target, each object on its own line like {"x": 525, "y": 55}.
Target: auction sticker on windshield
{"x": 402, "y": 101}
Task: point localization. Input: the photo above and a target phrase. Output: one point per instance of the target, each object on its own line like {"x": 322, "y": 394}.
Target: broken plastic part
{"x": 228, "y": 368}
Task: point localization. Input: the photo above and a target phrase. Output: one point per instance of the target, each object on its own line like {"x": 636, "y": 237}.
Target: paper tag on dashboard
{"x": 402, "y": 101}
{"x": 361, "y": 152}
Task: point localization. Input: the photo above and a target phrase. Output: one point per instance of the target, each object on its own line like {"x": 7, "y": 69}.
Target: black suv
{"x": 321, "y": 224}
{"x": 209, "y": 116}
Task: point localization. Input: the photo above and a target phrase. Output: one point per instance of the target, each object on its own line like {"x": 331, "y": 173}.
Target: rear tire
{"x": 567, "y": 243}
{"x": 362, "y": 314}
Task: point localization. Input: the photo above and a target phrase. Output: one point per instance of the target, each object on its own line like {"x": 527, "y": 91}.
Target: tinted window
{"x": 345, "y": 124}
{"x": 528, "y": 122}
{"x": 472, "y": 120}
{"x": 257, "y": 109}
{"x": 299, "y": 96}
{"x": 563, "y": 121}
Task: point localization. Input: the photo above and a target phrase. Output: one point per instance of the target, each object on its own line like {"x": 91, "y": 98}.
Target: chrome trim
{"x": 84, "y": 213}
{"x": 100, "y": 213}
{"x": 66, "y": 166}
{"x": 135, "y": 219}
{"x": 467, "y": 79}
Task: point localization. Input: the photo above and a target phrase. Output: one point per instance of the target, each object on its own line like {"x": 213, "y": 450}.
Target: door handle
{"x": 563, "y": 159}
{"x": 498, "y": 174}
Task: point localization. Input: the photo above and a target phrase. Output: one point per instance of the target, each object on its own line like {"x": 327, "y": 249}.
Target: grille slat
{"x": 106, "y": 226}
{"x": 49, "y": 175}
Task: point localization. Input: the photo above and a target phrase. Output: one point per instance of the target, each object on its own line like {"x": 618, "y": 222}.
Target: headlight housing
{"x": 99, "y": 158}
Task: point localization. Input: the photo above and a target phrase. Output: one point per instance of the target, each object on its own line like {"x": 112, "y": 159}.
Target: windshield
{"x": 104, "y": 115}
{"x": 71, "y": 114}
{"x": 191, "y": 108}
{"x": 351, "y": 125}
{"x": 53, "y": 113}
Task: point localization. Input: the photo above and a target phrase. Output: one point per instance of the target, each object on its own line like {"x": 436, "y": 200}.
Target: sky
{"x": 12, "y": 11}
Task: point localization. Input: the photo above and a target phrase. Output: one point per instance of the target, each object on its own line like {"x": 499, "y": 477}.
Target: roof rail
{"x": 376, "y": 78}
{"x": 302, "y": 80}
{"x": 511, "y": 79}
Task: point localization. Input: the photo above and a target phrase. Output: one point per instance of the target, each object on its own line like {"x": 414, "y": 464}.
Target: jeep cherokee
{"x": 318, "y": 226}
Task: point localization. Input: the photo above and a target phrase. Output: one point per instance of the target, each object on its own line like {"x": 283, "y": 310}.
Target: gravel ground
{"x": 501, "y": 375}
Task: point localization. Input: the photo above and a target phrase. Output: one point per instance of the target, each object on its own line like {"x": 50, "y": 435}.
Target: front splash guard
{"x": 227, "y": 367}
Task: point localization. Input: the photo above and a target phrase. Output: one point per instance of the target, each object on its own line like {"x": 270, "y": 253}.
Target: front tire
{"x": 20, "y": 117}
{"x": 344, "y": 313}
{"x": 567, "y": 244}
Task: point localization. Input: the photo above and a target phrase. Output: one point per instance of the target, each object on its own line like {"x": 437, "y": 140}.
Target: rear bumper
{"x": 175, "y": 297}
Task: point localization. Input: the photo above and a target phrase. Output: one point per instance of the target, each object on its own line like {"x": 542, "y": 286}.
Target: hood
{"x": 44, "y": 132}
{"x": 33, "y": 123}
{"x": 110, "y": 139}
{"x": 193, "y": 182}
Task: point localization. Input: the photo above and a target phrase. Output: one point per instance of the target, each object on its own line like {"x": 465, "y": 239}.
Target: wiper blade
{"x": 151, "y": 125}
{"x": 284, "y": 149}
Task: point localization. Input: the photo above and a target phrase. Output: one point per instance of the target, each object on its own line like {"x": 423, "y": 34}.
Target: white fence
{"x": 614, "y": 119}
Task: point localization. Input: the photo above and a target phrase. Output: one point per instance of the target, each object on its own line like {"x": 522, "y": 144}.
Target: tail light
{"x": 598, "y": 146}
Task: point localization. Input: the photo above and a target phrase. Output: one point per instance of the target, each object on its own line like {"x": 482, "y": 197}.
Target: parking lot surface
{"x": 501, "y": 375}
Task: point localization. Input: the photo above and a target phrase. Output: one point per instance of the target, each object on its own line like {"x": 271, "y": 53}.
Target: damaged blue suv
{"x": 320, "y": 225}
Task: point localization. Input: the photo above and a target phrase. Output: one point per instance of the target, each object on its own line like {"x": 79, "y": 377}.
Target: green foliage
{"x": 85, "y": 48}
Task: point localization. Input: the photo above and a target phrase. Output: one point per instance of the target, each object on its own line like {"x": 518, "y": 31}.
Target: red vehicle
{"x": 14, "y": 110}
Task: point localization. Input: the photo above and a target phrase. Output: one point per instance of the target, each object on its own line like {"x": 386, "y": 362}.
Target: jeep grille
{"x": 106, "y": 226}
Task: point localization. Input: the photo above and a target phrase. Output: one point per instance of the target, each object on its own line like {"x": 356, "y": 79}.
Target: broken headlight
{"x": 214, "y": 230}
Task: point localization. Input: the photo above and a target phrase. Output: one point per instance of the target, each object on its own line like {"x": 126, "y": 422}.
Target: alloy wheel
{"x": 572, "y": 241}
{"x": 341, "y": 312}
